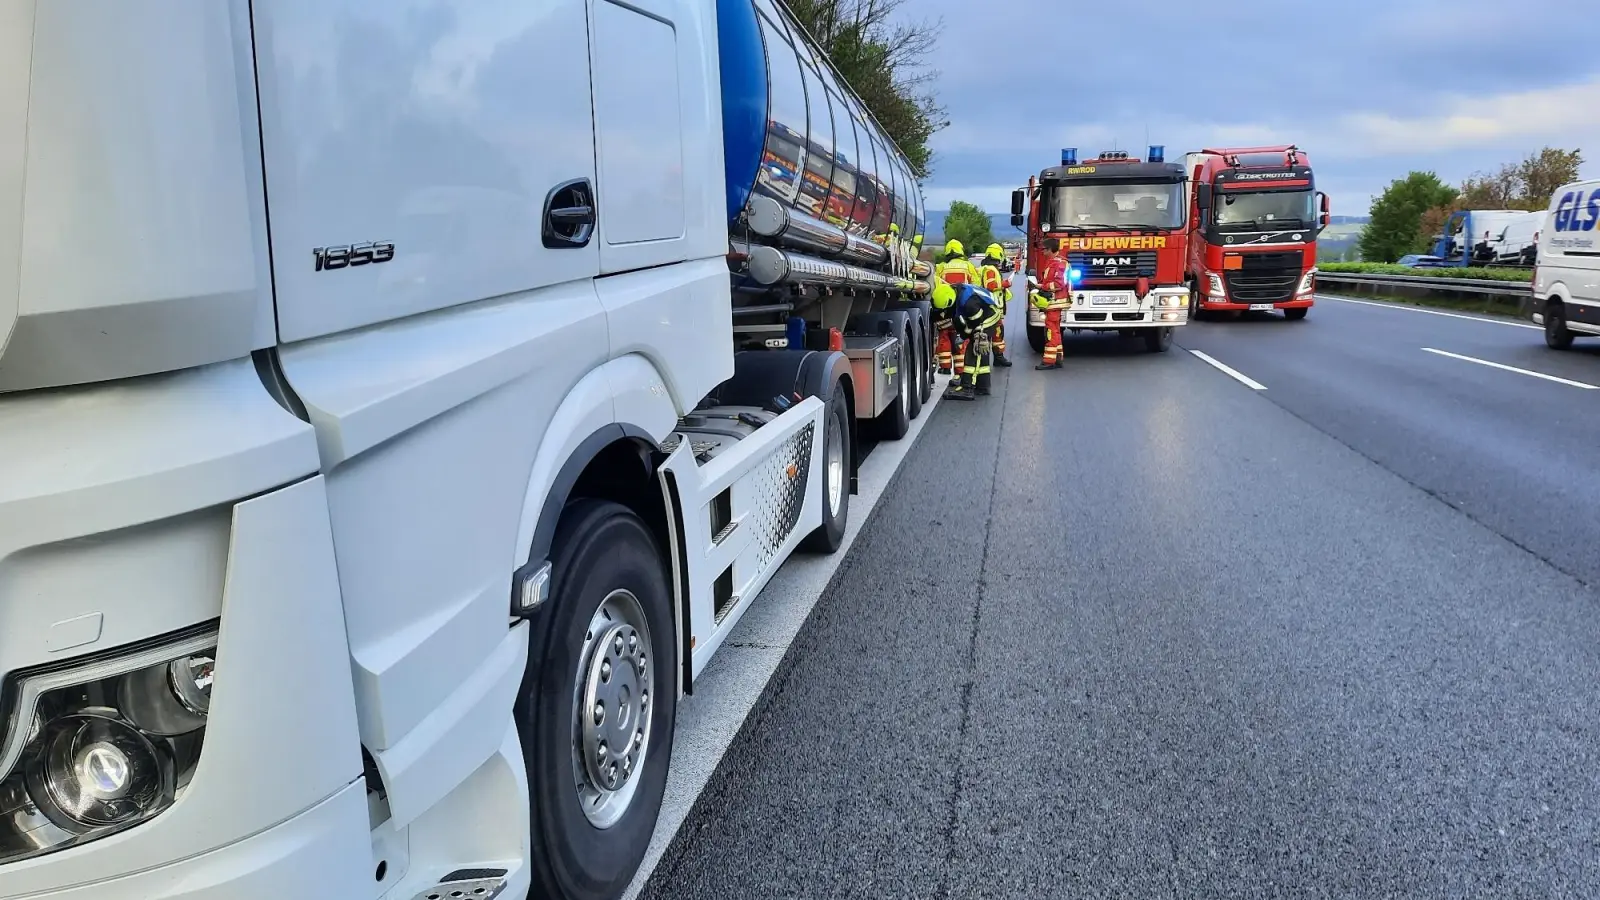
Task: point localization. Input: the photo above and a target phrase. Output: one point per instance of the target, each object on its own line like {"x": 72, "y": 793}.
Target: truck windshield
{"x": 1139, "y": 205}
{"x": 1261, "y": 210}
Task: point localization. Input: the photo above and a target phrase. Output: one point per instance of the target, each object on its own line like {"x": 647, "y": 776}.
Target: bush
{"x": 1483, "y": 274}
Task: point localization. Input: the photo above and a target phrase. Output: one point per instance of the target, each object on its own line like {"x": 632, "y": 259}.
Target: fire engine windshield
{"x": 1147, "y": 205}
{"x": 1262, "y": 210}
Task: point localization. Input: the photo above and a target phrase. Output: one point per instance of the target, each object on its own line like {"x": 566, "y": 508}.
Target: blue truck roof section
{"x": 742, "y": 58}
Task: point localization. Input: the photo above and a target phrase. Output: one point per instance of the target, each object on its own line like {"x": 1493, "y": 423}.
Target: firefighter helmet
{"x": 953, "y": 248}
{"x": 944, "y": 294}
{"x": 995, "y": 251}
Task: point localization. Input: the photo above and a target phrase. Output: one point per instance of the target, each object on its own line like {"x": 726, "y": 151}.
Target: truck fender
{"x": 584, "y": 426}
{"x": 760, "y": 375}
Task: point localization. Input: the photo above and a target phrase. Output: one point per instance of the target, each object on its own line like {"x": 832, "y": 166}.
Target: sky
{"x": 1369, "y": 89}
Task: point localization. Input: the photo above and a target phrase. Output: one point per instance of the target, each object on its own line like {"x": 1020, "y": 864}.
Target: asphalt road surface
{"x": 1315, "y": 624}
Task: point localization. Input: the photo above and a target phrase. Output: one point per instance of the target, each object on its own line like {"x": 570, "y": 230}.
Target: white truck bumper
{"x": 1114, "y": 310}
{"x": 314, "y": 854}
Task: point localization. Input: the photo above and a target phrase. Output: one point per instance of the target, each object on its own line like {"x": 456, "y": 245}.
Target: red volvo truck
{"x": 1255, "y": 215}
{"x": 1121, "y": 221}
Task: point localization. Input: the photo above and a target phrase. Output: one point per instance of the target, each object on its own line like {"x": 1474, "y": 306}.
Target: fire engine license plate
{"x": 1106, "y": 300}
{"x": 1255, "y": 307}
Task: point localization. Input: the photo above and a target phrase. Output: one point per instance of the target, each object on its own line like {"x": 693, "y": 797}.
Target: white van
{"x": 1566, "y": 281}
{"x": 1518, "y": 244}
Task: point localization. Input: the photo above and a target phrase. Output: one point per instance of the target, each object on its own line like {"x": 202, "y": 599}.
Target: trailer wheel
{"x": 598, "y": 705}
{"x": 912, "y": 366}
{"x": 1036, "y": 338}
{"x": 836, "y": 465}
{"x": 1157, "y": 340}
{"x": 893, "y": 423}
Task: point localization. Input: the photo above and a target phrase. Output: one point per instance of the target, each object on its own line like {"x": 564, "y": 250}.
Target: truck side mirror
{"x": 1322, "y": 200}
{"x": 1019, "y": 202}
{"x": 1202, "y": 197}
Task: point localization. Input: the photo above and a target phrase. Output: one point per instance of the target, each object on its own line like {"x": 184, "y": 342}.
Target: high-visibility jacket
{"x": 994, "y": 281}
{"x": 957, "y": 270}
{"x": 1054, "y": 292}
{"x": 975, "y": 310}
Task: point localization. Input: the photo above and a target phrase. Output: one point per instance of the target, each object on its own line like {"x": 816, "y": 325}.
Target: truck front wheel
{"x": 1296, "y": 313}
{"x": 1036, "y": 338}
{"x": 1157, "y": 340}
{"x": 597, "y": 711}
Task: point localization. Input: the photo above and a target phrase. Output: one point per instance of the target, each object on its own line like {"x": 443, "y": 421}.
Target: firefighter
{"x": 1053, "y": 295}
{"x": 974, "y": 314}
{"x": 999, "y": 287}
{"x": 952, "y": 267}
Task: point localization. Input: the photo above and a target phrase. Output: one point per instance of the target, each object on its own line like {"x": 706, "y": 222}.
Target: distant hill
{"x": 1000, "y": 222}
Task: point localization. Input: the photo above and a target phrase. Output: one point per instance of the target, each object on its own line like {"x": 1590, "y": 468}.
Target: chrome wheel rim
{"x": 834, "y": 451}
{"x": 611, "y": 720}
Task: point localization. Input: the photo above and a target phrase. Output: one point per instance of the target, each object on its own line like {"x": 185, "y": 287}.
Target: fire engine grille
{"x": 1264, "y": 277}
{"x": 1131, "y": 264}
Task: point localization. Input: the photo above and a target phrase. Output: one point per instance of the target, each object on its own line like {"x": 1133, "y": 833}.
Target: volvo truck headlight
{"x": 1215, "y": 284}
{"x": 1308, "y": 283}
{"x": 92, "y": 747}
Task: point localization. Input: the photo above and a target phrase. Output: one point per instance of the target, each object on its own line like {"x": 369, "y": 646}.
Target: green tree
{"x": 884, "y": 61}
{"x": 1525, "y": 185}
{"x": 1541, "y": 173}
{"x": 1396, "y": 226}
{"x": 969, "y": 224}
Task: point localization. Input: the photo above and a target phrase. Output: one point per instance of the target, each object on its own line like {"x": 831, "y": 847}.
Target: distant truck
{"x": 1255, "y": 216}
{"x": 1472, "y": 237}
{"x": 1122, "y": 223}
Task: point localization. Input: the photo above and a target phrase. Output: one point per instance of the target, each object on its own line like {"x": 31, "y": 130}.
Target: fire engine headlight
{"x": 94, "y": 748}
{"x": 1308, "y": 283}
{"x": 1172, "y": 300}
{"x": 1215, "y": 283}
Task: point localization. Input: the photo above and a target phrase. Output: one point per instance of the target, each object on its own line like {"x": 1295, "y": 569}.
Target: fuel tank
{"x": 795, "y": 134}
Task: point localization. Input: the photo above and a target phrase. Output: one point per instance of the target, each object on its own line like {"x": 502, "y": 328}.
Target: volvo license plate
{"x": 1106, "y": 300}
{"x": 1261, "y": 307}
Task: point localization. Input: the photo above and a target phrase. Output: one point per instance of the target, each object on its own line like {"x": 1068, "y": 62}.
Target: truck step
{"x": 467, "y": 884}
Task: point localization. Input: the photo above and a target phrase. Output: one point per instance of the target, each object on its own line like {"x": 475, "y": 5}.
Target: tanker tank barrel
{"x": 770, "y": 219}
{"x": 772, "y": 266}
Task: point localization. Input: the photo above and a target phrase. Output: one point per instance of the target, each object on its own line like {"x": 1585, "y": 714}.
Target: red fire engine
{"x": 1122, "y": 223}
{"x": 1255, "y": 216}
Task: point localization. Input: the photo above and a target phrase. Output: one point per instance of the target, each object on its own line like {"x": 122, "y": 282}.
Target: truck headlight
{"x": 96, "y": 746}
{"x": 1308, "y": 283}
{"x": 1172, "y": 300}
{"x": 1215, "y": 283}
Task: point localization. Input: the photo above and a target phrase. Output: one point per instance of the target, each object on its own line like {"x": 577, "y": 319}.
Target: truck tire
{"x": 893, "y": 423}
{"x": 1556, "y": 335}
{"x": 1195, "y": 312}
{"x": 1036, "y": 338}
{"x": 836, "y": 463}
{"x": 1296, "y": 313}
{"x": 610, "y": 640}
{"x": 1157, "y": 340}
{"x": 911, "y": 365}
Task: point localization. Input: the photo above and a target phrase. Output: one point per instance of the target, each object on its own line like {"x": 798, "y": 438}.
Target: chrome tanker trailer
{"x": 825, "y": 216}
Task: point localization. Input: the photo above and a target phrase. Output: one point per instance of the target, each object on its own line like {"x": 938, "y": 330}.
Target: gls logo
{"x": 1577, "y": 213}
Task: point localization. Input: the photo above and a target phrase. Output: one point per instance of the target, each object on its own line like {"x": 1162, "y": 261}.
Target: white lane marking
{"x": 1495, "y": 365}
{"x": 1431, "y": 312}
{"x": 732, "y": 682}
{"x": 1240, "y": 377}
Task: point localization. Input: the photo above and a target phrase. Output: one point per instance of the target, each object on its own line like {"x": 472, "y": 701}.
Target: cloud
{"x": 1370, "y": 88}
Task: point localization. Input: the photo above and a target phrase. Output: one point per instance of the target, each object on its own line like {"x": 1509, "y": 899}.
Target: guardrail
{"x": 1511, "y": 289}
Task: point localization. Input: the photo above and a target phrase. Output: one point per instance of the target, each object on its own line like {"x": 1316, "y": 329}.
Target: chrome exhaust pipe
{"x": 771, "y": 219}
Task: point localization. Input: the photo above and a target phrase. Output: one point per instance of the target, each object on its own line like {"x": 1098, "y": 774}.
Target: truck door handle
{"x": 569, "y": 215}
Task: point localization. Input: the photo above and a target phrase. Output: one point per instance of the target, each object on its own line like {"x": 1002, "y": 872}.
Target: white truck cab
{"x": 1566, "y": 282}
{"x": 399, "y": 405}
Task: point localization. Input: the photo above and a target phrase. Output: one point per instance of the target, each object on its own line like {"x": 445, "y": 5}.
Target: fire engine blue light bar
{"x": 1069, "y": 156}
{"x": 1158, "y": 153}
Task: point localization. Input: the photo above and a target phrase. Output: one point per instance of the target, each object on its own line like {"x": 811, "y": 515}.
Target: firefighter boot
{"x": 958, "y": 391}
